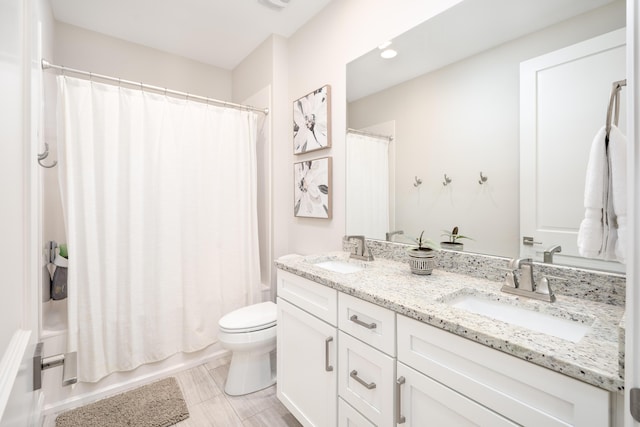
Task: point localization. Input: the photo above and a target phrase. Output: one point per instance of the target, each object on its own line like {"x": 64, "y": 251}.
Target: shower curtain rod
{"x": 46, "y": 64}
{"x": 375, "y": 135}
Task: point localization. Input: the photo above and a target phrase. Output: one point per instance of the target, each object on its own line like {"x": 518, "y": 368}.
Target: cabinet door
{"x": 424, "y": 402}
{"x": 306, "y": 366}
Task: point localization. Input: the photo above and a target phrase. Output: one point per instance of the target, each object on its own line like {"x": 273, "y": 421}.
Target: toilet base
{"x": 249, "y": 372}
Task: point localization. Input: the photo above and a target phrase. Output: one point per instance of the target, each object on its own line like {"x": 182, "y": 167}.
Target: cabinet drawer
{"x": 317, "y": 299}
{"x": 365, "y": 379}
{"x": 349, "y": 417}
{"x": 368, "y": 322}
{"x": 525, "y": 393}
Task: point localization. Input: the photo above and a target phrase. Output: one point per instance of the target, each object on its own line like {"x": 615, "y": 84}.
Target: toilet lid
{"x": 251, "y": 318}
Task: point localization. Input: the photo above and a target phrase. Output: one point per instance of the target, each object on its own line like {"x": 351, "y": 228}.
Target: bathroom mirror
{"x": 450, "y": 99}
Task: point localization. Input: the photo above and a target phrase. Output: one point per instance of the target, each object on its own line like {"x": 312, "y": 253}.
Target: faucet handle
{"x": 544, "y": 288}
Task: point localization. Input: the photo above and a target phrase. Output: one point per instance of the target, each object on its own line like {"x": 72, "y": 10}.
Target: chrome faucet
{"x": 519, "y": 281}
{"x": 360, "y": 251}
{"x": 389, "y": 235}
{"x": 548, "y": 254}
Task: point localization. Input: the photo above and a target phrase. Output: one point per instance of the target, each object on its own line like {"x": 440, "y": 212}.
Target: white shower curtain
{"x": 367, "y": 185}
{"x": 160, "y": 208}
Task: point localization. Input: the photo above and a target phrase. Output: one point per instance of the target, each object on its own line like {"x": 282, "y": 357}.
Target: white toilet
{"x": 250, "y": 333}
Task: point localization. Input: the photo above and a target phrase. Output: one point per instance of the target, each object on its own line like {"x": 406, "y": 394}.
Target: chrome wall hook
{"x": 44, "y": 155}
{"x": 447, "y": 180}
{"x": 483, "y": 178}
{"x": 417, "y": 182}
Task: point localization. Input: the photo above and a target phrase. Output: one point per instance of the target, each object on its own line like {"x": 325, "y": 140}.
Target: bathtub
{"x": 58, "y": 398}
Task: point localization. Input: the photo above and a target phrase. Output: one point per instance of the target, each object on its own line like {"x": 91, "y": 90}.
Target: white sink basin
{"x": 339, "y": 266}
{"x": 564, "y": 328}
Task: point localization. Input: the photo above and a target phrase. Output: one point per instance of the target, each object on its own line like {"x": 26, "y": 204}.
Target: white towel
{"x": 592, "y": 235}
{"x": 618, "y": 166}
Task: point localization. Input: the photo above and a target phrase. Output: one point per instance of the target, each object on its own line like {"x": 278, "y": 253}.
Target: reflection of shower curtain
{"x": 160, "y": 209}
{"x": 367, "y": 185}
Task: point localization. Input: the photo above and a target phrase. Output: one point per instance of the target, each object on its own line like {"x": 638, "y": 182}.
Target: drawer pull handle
{"x": 355, "y": 320}
{"x": 354, "y": 375}
{"x": 327, "y": 367}
{"x": 400, "y": 419}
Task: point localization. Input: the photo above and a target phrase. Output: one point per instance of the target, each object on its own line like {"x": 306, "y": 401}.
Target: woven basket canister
{"x": 421, "y": 265}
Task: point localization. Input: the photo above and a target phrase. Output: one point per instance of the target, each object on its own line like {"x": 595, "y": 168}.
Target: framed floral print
{"x": 312, "y": 121}
{"x": 312, "y": 191}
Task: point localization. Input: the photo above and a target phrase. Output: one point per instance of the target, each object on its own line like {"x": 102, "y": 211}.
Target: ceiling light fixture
{"x": 388, "y": 53}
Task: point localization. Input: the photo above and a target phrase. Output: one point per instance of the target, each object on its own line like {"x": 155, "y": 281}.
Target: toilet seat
{"x": 249, "y": 319}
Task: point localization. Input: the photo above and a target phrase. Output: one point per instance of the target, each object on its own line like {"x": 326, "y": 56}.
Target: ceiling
{"x": 217, "y": 32}
{"x": 466, "y": 29}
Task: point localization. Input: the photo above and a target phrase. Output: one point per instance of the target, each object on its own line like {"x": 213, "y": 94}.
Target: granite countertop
{"x": 594, "y": 359}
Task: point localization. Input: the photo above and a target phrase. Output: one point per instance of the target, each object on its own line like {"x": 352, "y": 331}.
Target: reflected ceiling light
{"x": 275, "y": 4}
{"x": 388, "y": 53}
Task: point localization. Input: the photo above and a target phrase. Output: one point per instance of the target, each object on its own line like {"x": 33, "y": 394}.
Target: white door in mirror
{"x": 563, "y": 102}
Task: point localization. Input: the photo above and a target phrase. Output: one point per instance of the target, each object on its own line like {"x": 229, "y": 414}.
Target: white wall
{"x": 317, "y": 55}
{"x": 463, "y": 119}
{"x": 263, "y": 70}
{"x": 87, "y": 50}
{"x": 252, "y": 80}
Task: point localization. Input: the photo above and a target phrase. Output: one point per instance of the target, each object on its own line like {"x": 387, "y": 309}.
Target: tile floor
{"x": 209, "y": 406}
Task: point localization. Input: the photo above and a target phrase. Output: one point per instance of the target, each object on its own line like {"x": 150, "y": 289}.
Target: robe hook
{"x": 447, "y": 180}
{"x": 483, "y": 179}
{"x": 44, "y": 155}
{"x": 417, "y": 182}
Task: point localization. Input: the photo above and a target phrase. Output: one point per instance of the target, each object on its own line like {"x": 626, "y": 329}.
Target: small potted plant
{"x": 452, "y": 243}
{"x": 421, "y": 258}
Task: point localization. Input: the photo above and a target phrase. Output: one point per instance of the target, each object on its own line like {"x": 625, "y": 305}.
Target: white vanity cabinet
{"x": 307, "y": 350}
{"x": 487, "y": 382}
{"x": 347, "y": 362}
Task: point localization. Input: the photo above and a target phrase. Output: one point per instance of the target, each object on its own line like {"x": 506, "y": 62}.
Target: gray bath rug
{"x": 159, "y": 404}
